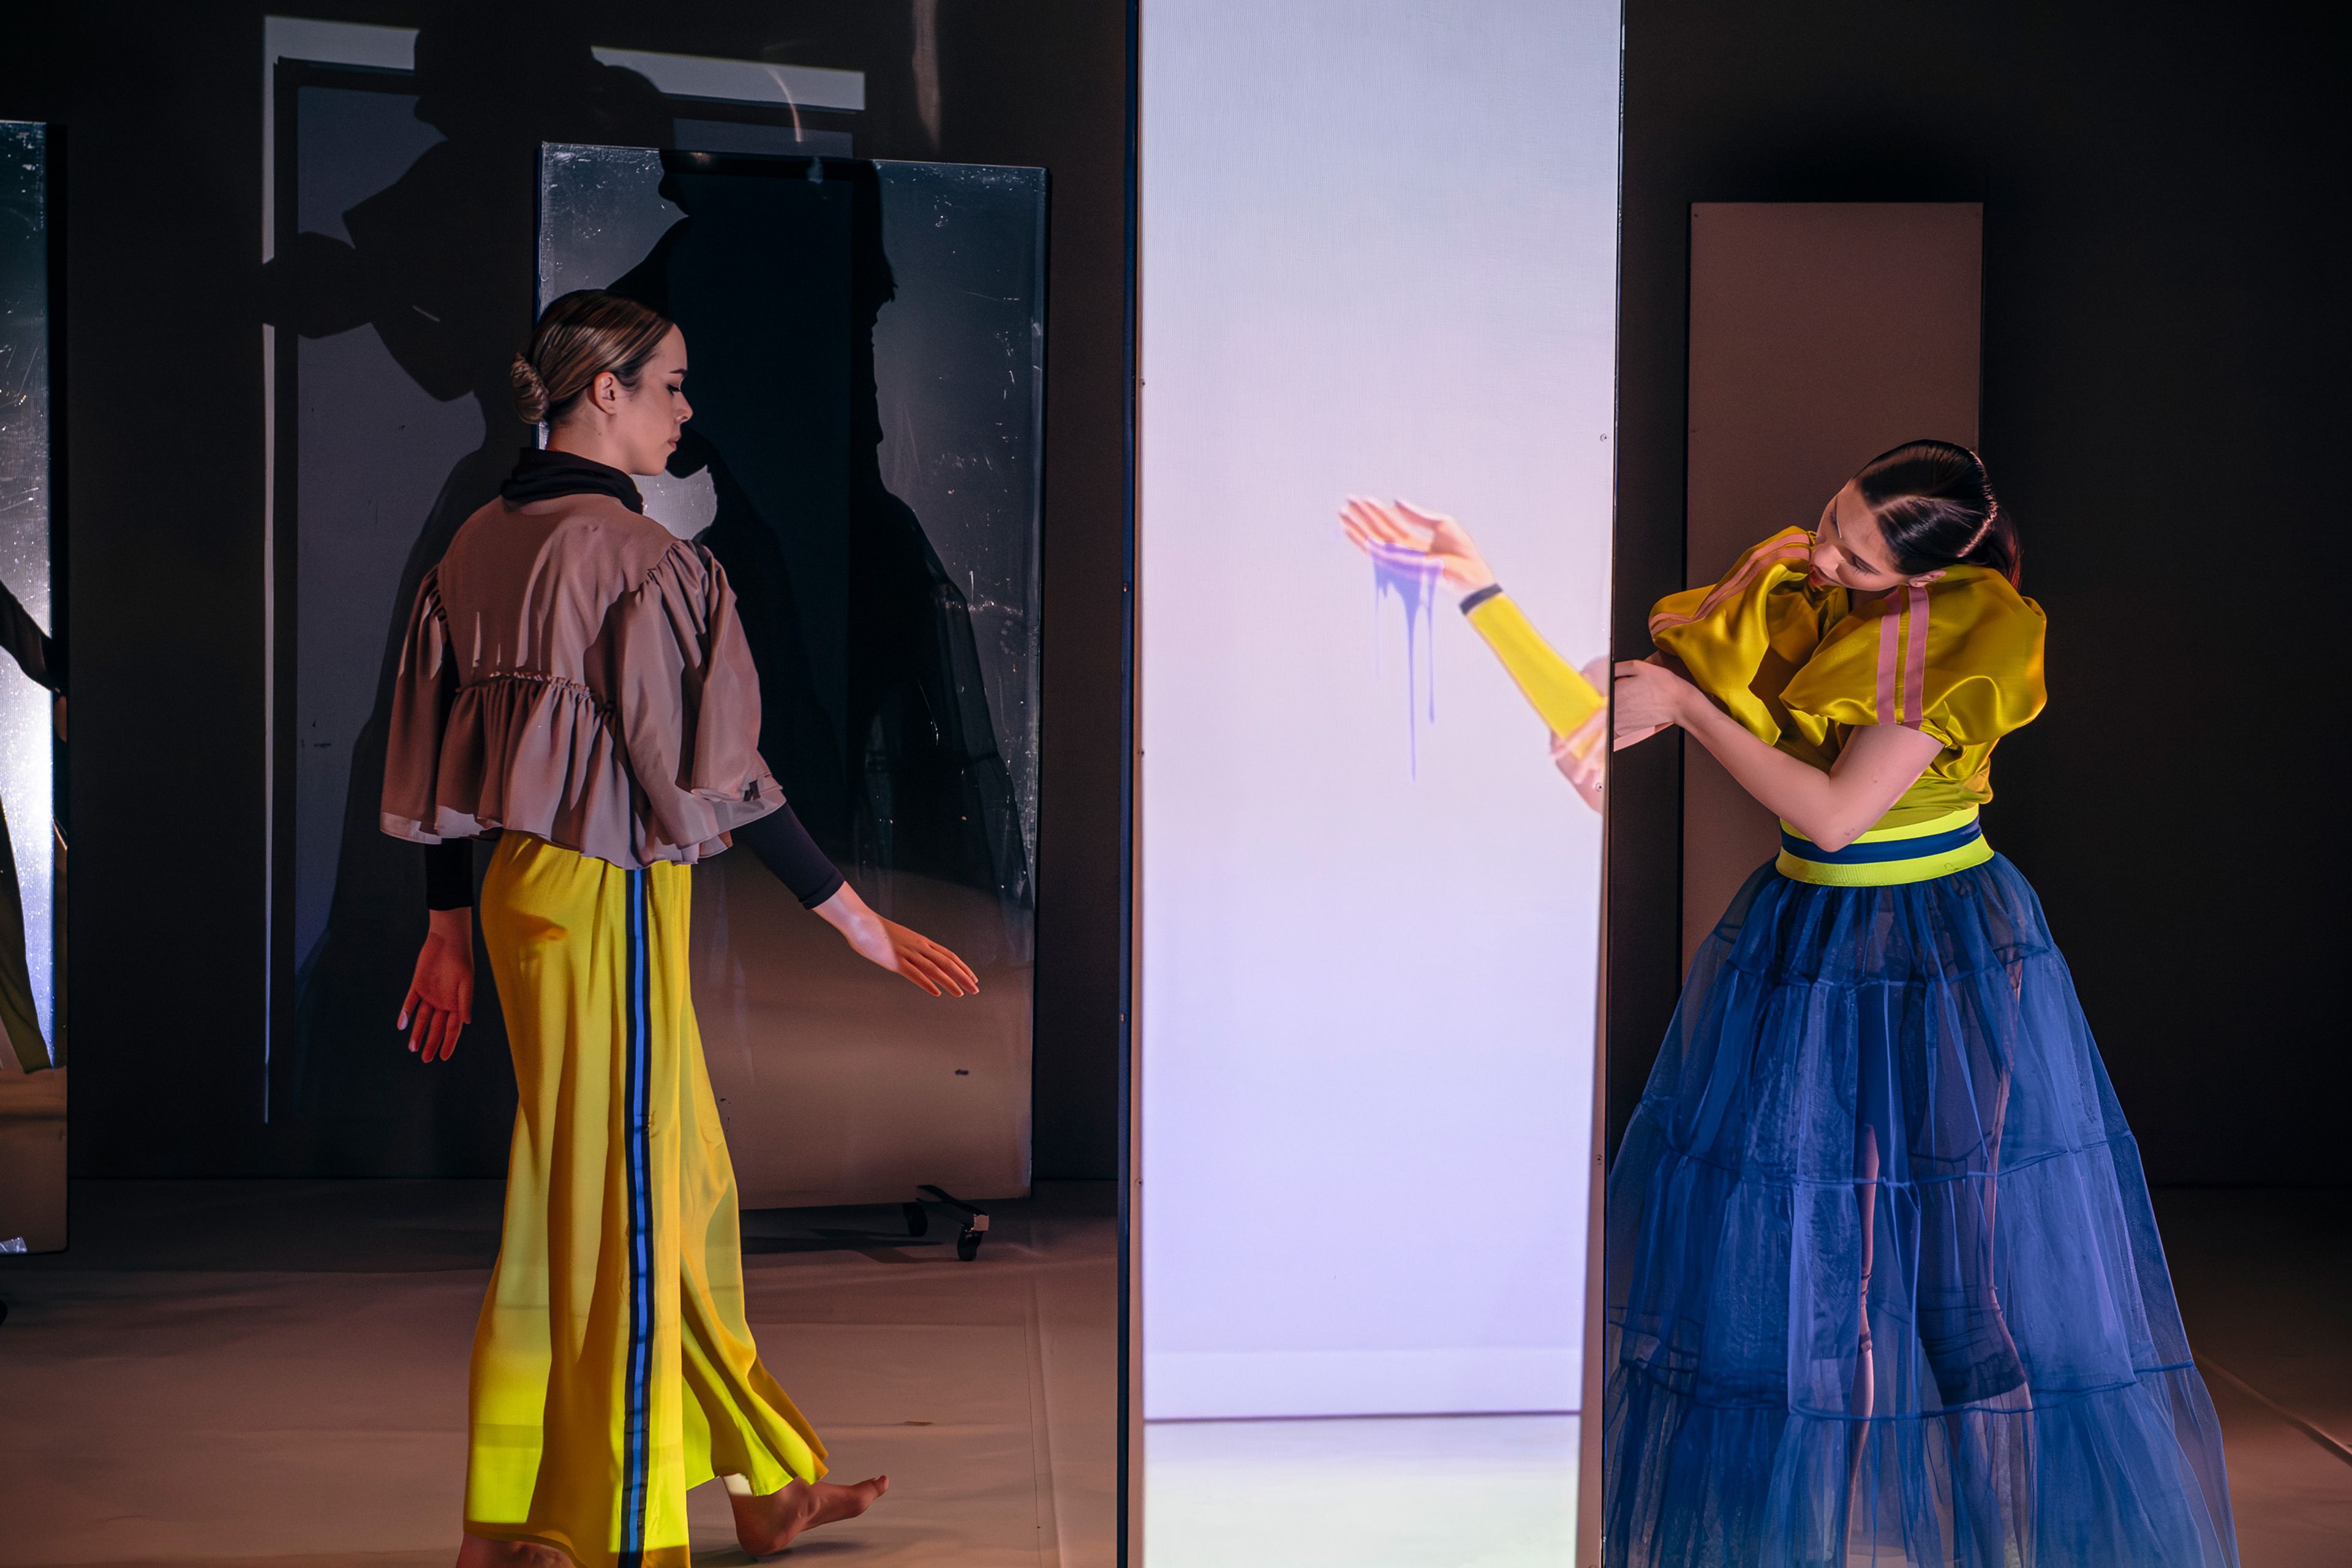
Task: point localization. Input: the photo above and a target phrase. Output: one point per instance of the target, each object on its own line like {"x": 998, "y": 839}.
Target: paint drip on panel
{"x": 1412, "y": 576}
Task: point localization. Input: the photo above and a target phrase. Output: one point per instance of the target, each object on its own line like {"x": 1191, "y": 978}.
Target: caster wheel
{"x": 917, "y": 1222}
{"x": 967, "y": 1244}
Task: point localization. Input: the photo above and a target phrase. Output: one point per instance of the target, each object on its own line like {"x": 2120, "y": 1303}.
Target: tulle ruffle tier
{"x": 1884, "y": 1282}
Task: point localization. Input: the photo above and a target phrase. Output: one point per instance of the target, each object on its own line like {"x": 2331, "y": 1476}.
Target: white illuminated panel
{"x": 1378, "y": 256}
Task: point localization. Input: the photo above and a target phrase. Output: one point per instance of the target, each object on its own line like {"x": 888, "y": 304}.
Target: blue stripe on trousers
{"x": 637, "y": 1069}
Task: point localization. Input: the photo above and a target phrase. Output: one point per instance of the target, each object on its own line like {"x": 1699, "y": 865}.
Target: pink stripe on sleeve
{"x": 1914, "y": 661}
{"x": 1883, "y": 708}
{"x": 1758, "y": 563}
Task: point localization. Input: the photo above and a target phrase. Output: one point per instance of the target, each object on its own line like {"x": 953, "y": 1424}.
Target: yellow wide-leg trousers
{"x": 613, "y": 1368}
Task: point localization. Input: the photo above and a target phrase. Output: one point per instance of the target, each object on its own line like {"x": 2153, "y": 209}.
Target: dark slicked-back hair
{"x": 1934, "y": 502}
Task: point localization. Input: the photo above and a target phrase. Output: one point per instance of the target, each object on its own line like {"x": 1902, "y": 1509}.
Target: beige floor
{"x": 2266, "y": 1285}
{"x": 274, "y": 1373}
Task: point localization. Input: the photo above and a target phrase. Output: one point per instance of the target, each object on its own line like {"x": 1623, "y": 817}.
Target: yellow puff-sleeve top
{"x": 1801, "y": 665}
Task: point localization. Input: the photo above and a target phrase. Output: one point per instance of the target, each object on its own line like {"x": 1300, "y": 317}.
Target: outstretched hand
{"x": 916, "y": 957}
{"x": 1404, "y": 526}
{"x": 888, "y": 945}
{"x": 440, "y": 1000}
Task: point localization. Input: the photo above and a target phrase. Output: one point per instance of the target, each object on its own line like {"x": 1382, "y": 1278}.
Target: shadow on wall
{"x": 441, "y": 265}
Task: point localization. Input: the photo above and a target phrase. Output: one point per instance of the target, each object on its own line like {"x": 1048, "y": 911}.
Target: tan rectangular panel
{"x": 1820, "y": 334}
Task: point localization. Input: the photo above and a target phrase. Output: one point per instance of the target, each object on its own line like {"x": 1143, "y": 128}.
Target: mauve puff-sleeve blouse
{"x": 572, "y": 670}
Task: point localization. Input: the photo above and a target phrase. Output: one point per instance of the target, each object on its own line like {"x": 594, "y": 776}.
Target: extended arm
{"x": 1567, "y": 699}
{"x": 1552, "y": 686}
{"x": 784, "y": 846}
{"x": 1832, "y": 808}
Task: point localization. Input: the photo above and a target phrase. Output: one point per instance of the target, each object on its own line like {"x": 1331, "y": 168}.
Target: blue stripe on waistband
{"x": 1883, "y": 849}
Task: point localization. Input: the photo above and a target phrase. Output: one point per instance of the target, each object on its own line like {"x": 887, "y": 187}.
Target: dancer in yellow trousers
{"x": 574, "y": 681}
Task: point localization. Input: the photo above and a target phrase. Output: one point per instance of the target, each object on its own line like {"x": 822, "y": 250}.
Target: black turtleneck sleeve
{"x": 784, "y": 846}
{"x": 450, "y": 874}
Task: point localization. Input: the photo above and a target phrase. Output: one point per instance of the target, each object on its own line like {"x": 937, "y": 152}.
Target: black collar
{"x": 542, "y": 475}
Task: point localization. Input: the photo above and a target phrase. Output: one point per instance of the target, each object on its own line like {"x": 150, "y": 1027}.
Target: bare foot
{"x": 480, "y": 1552}
{"x": 769, "y": 1523}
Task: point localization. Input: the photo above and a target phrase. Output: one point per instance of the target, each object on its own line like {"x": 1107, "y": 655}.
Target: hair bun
{"x": 585, "y": 334}
{"x": 529, "y": 392}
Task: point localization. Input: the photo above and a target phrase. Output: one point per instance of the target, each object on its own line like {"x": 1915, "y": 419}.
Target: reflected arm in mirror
{"x": 1582, "y": 759}
{"x": 1569, "y": 701}
{"x": 1369, "y": 524}
{"x": 1832, "y": 808}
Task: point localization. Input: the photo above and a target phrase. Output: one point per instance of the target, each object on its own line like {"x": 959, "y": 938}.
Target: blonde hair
{"x": 578, "y": 339}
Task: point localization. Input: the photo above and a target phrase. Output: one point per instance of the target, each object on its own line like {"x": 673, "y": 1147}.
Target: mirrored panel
{"x": 32, "y": 716}
{"x": 865, "y": 341}
{"x": 864, "y": 345}
{"x": 1374, "y": 548}
{"x": 399, "y": 284}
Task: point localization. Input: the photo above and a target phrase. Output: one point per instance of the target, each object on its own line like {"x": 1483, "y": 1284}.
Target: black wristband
{"x": 1476, "y": 597}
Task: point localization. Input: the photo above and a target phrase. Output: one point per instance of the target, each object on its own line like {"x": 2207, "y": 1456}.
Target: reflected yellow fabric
{"x": 1556, "y": 689}
{"x": 1801, "y": 666}
{"x": 613, "y": 1368}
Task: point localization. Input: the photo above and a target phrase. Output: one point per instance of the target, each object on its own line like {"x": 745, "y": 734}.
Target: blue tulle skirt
{"x": 1884, "y": 1284}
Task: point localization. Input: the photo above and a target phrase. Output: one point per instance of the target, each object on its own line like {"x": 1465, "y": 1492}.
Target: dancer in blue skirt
{"x": 1883, "y": 1282}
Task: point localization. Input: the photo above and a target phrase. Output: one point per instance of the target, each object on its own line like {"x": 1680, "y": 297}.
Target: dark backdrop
{"x": 2164, "y": 344}
{"x": 2164, "y": 408}
{"x": 163, "y": 101}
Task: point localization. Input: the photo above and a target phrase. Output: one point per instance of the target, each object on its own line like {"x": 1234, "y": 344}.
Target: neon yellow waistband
{"x": 1887, "y": 855}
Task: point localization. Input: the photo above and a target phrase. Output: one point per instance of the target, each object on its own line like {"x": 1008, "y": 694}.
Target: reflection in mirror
{"x": 1378, "y": 374}
{"x": 400, "y": 283}
{"x": 864, "y": 345}
{"x": 31, "y": 719}
{"x": 862, "y": 461}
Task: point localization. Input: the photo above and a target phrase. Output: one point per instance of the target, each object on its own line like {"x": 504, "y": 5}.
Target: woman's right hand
{"x": 440, "y": 1001}
{"x": 1648, "y": 697}
{"x": 1404, "y": 526}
